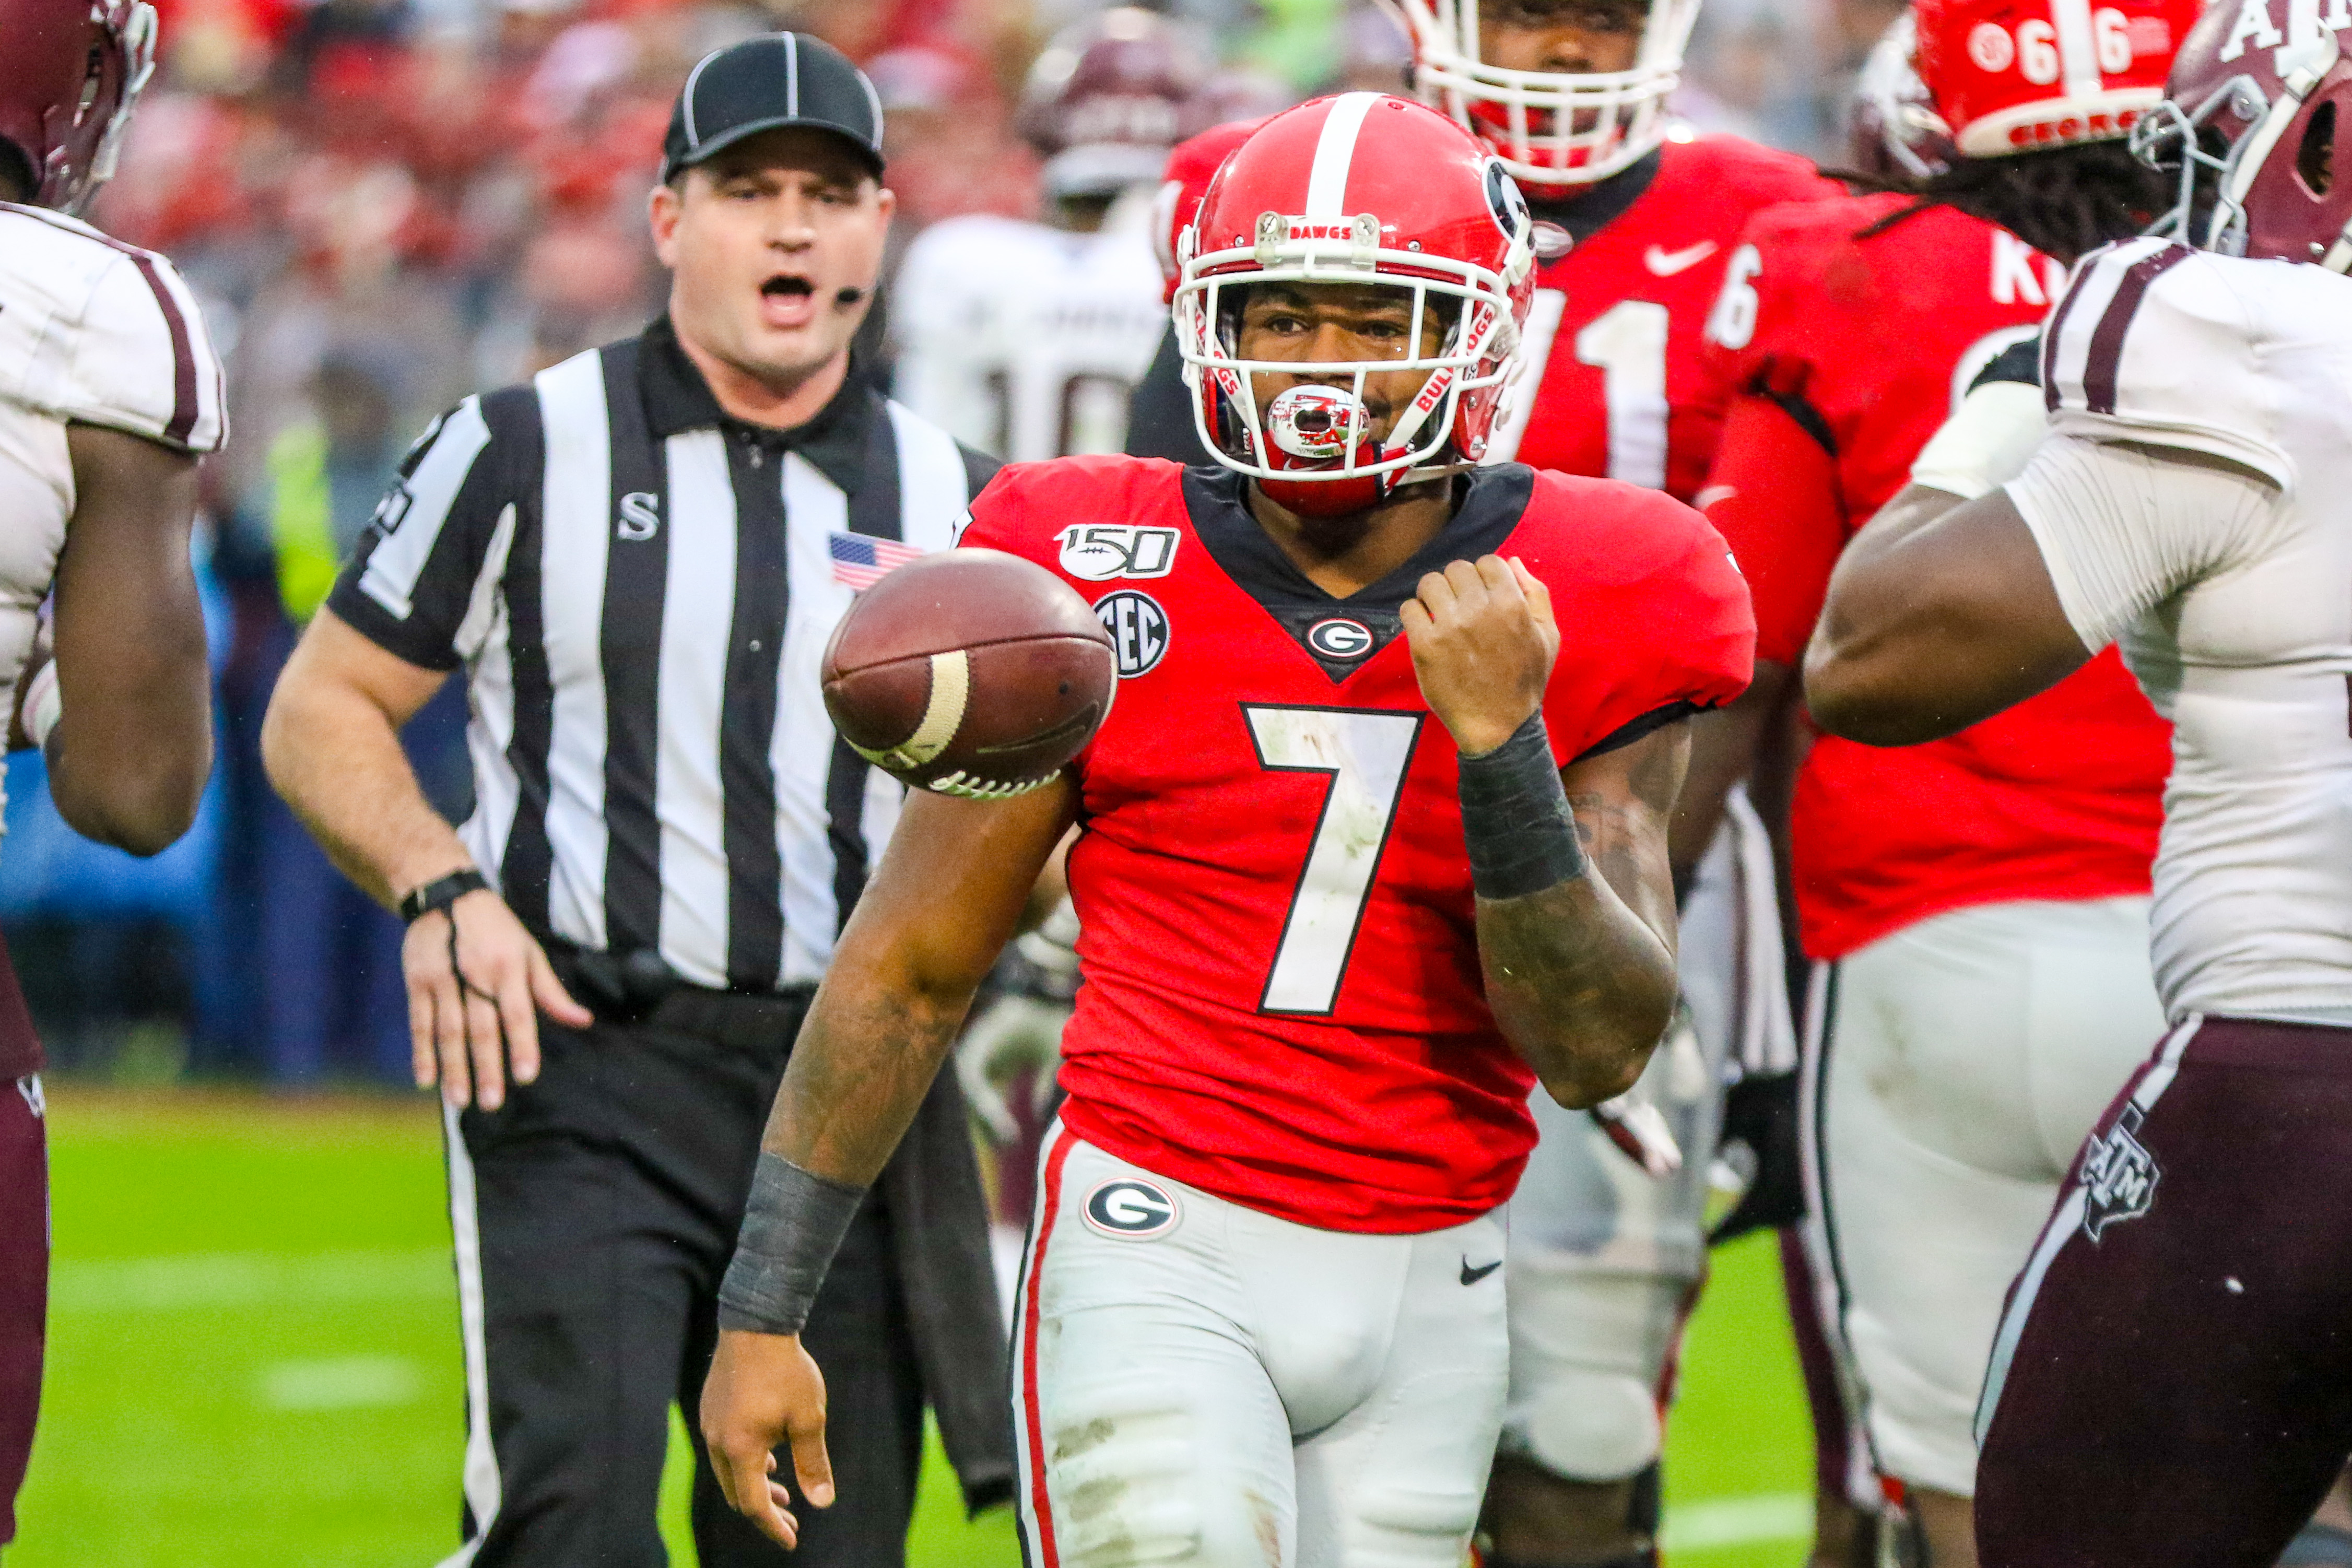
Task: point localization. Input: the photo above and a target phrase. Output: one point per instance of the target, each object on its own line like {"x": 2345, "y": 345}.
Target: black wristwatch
{"x": 423, "y": 901}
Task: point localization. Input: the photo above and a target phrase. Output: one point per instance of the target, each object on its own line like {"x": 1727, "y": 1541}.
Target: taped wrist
{"x": 791, "y": 1227}
{"x": 1515, "y": 817}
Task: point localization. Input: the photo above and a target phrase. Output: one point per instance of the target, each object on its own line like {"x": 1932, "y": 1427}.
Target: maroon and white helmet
{"x": 70, "y": 71}
{"x": 2258, "y": 119}
{"x": 1106, "y": 101}
{"x": 1894, "y": 130}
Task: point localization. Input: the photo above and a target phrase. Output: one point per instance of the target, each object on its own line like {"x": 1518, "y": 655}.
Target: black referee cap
{"x": 764, "y": 84}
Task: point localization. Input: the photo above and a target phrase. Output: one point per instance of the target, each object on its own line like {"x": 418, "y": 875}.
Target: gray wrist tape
{"x": 791, "y": 1227}
{"x": 1515, "y": 817}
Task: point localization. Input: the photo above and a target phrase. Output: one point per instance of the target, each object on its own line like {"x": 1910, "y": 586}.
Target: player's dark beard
{"x": 1335, "y": 536}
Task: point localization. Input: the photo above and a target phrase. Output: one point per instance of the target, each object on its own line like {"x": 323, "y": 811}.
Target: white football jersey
{"x": 2231, "y": 599}
{"x": 92, "y": 332}
{"x": 1023, "y": 340}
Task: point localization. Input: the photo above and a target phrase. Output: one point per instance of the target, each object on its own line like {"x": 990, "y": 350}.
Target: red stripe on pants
{"x": 1049, "y": 1207}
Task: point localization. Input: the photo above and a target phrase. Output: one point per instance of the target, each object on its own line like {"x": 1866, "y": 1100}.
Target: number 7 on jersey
{"x": 1366, "y": 752}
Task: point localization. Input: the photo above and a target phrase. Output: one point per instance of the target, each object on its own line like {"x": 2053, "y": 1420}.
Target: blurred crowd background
{"x": 386, "y": 204}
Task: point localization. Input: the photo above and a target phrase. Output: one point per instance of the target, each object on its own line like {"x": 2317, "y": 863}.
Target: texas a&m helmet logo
{"x": 1097, "y": 552}
{"x": 1130, "y": 1210}
{"x": 2119, "y": 1177}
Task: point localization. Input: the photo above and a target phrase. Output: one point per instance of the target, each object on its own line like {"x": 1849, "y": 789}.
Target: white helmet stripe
{"x": 2078, "y": 47}
{"x": 1335, "y": 150}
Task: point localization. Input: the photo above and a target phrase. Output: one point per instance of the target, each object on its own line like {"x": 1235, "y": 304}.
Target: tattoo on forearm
{"x": 1582, "y": 990}
{"x": 843, "y": 1104}
{"x": 1625, "y": 848}
{"x": 1566, "y": 976}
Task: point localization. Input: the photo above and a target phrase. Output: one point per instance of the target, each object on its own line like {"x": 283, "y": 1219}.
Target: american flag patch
{"x": 860, "y": 561}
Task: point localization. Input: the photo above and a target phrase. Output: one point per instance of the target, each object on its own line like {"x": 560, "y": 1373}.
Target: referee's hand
{"x": 477, "y": 984}
{"x": 763, "y": 1390}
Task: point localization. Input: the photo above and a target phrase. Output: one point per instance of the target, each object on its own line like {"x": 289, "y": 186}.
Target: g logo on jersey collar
{"x": 1127, "y": 1209}
{"x": 1339, "y": 638}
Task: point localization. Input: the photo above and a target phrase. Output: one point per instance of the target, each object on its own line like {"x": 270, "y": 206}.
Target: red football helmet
{"x": 73, "y": 70}
{"x": 2015, "y": 76}
{"x": 2258, "y": 123}
{"x": 1106, "y": 100}
{"x": 1358, "y": 189}
{"x": 1895, "y": 132}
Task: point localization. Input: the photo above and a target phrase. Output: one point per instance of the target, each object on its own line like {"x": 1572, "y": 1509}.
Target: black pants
{"x": 594, "y": 1215}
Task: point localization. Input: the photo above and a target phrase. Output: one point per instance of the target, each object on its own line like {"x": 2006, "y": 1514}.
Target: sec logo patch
{"x": 1341, "y": 639}
{"x": 1130, "y": 1210}
{"x": 1137, "y": 628}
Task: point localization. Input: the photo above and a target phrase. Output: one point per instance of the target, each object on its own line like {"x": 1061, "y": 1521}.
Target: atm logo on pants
{"x": 1130, "y": 1210}
{"x": 2119, "y": 1177}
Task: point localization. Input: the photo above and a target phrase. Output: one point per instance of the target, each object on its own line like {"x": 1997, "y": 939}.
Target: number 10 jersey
{"x": 1282, "y": 1000}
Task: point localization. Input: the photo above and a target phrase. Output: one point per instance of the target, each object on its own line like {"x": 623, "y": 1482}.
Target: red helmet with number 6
{"x": 2258, "y": 123}
{"x": 69, "y": 72}
{"x": 2015, "y": 76}
{"x": 1361, "y": 189}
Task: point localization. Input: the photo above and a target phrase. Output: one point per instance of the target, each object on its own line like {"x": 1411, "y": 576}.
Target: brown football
{"x": 971, "y": 673}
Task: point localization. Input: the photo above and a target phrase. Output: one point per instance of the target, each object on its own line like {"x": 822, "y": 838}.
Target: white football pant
{"x": 1198, "y": 1382}
{"x": 1954, "y": 1070}
{"x": 1606, "y": 1259}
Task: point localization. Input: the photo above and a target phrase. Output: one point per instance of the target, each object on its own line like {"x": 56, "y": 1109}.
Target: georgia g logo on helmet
{"x": 1506, "y": 200}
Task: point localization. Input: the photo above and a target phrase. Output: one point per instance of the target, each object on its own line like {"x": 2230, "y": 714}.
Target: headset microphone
{"x": 849, "y": 297}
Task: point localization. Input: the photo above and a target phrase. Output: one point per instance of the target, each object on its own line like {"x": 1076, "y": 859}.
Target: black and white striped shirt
{"x": 641, "y": 589}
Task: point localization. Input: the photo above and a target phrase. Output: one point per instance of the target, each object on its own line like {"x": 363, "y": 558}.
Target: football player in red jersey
{"x": 1634, "y": 222}
{"x": 1977, "y": 908}
{"x": 1259, "y": 1321}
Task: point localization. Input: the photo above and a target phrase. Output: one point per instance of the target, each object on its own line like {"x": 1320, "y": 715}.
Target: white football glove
{"x": 1016, "y": 1032}
{"x": 1022, "y": 1029}
{"x": 1639, "y": 1130}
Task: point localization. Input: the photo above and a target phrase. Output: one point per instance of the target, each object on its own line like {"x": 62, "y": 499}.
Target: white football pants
{"x": 1606, "y": 1259}
{"x": 1198, "y": 1382}
{"x": 1955, "y": 1068}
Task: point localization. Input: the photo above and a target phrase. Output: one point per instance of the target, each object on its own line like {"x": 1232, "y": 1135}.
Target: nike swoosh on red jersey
{"x": 1666, "y": 263}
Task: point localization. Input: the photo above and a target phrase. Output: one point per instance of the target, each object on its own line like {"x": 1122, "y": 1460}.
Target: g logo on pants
{"x": 1129, "y": 1210}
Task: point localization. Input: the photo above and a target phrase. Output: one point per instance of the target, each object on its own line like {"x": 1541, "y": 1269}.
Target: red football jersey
{"x": 1283, "y": 1003}
{"x": 1849, "y": 351}
{"x": 1621, "y": 382}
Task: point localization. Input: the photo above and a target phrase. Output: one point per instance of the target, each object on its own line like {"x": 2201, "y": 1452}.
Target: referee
{"x": 638, "y": 558}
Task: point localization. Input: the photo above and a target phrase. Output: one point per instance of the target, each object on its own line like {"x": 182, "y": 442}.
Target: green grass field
{"x": 253, "y": 1357}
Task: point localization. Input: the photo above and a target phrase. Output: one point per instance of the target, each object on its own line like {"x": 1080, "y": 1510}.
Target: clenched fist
{"x": 1483, "y": 642}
